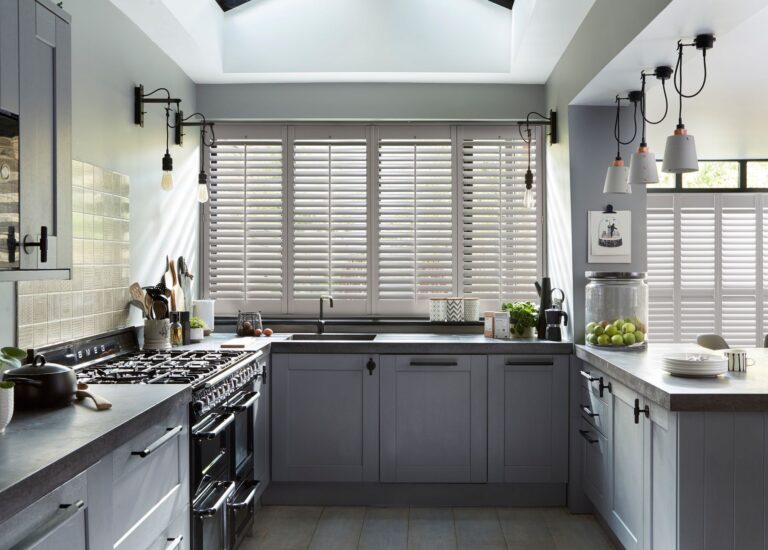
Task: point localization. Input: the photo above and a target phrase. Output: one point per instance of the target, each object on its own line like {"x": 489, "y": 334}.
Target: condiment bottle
{"x": 176, "y": 331}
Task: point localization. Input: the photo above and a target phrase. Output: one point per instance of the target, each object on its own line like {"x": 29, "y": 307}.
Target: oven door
{"x": 242, "y": 508}
{"x": 243, "y": 406}
{"x": 211, "y": 448}
{"x": 209, "y": 516}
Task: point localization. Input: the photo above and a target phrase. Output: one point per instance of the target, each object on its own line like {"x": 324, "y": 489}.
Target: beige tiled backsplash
{"x": 96, "y": 299}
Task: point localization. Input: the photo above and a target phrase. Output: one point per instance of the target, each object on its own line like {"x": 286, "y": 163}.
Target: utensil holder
{"x": 6, "y": 407}
{"x": 157, "y": 334}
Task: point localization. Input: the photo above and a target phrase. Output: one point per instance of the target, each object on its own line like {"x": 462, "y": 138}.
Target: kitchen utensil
{"x": 240, "y": 343}
{"x": 554, "y": 316}
{"x": 42, "y": 385}
{"x": 185, "y": 328}
{"x": 185, "y": 281}
{"x": 159, "y": 310}
{"x": 544, "y": 290}
{"x": 83, "y": 391}
{"x": 167, "y": 281}
{"x": 136, "y": 292}
{"x": 148, "y": 301}
{"x": 738, "y": 360}
{"x": 177, "y": 294}
{"x": 139, "y": 304}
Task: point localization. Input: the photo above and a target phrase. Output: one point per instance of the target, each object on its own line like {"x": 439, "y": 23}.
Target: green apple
{"x": 628, "y": 328}
{"x": 618, "y": 322}
{"x": 639, "y": 336}
{"x": 617, "y": 340}
{"x": 591, "y": 328}
{"x": 603, "y": 340}
{"x": 591, "y": 339}
{"x": 629, "y": 338}
{"x": 610, "y": 330}
{"x": 604, "y": 323}
{"x": 598, "y": 330}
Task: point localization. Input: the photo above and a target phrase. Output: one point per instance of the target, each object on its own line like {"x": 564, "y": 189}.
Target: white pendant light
{"x": 616, "y": 178}
{"x": 642, "y": 167}
{"x": 680, "y": 152}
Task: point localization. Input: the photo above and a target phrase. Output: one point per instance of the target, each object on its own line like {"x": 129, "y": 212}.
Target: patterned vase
{"x": 455, "y": 310}
{"x": 438, "y": 310}
{"x": 471, "y": 309}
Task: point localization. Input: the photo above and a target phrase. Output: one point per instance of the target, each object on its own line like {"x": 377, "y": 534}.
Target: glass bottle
{"x": 176, "y": 332}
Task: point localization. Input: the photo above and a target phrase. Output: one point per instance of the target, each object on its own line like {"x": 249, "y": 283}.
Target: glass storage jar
{"x": 616, "y": 310}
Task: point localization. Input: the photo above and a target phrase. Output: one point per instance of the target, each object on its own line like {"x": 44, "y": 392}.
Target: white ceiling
{"x": 729, "y": 118}
{"x": 361, "y": 40}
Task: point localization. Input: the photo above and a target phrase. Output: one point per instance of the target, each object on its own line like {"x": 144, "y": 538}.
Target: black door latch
{"x": 371, "y": 366}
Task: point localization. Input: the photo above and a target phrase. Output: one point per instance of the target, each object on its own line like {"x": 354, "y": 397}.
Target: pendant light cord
{"x": 167, "y": 127}
{"x": 643, "y": 109}
{"x": 679, "y": 71}
{"x": 617, "y": 125}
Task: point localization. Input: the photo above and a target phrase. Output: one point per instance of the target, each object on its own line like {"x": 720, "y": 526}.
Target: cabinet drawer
{"x": 594, "y": 410}
{"x": 595, "y": 464}
{"x": 176, "y": 536}
{"x": 141, "y": 479}
{"x": 58, "y": 520}
{"x": 159, "y": 524}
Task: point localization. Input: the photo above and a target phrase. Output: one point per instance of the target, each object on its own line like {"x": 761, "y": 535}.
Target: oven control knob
{"x": 199, "y": 406}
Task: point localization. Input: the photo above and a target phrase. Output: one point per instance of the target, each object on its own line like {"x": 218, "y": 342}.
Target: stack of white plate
{"x": 695, "y": 364}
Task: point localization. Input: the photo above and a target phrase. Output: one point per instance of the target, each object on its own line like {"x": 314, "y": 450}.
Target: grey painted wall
{"x": 607, "y": 29}
{"x": 592, "y": 148}
{"x": 110, "y": 55}
{"x": 368, "y": 101}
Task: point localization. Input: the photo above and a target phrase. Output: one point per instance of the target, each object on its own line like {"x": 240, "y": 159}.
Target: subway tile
{"x": 25, "y": 310}
{"x": 25, "y": 337}
{"x": 40, "y": 308}
{"x": 40, "y": 334}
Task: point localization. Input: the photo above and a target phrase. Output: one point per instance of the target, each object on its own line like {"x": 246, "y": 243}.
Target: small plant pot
{"x": 196, "y": 334}
{"x": 527, "y": 333}
{"x": 6, "y": 406}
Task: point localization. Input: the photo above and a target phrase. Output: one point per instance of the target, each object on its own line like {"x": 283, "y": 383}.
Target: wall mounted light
{"x": 616, "y": 177}
{"x": 680, "y": 152}
{"x": 203, "y": 124}
{"x": 529, "y": 200}
{"x": 642, "y": 165}
{"x": 139, "y": 100}
{"x": 167, "y": 180}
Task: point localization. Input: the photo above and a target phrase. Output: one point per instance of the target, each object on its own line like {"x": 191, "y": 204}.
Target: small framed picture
{"x": 610, "y": 236}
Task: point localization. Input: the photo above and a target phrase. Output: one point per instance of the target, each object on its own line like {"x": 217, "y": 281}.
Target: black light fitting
{"x": 181, "y": 122}
{"x": 550, "y": 121}
{"x": 140, "y": 99}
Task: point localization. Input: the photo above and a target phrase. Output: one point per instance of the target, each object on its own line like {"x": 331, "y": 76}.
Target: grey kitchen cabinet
{"x": 629, "y": 462}
{"x": 434, "y": 423}
{"x": 37, "y": 87}
{"x": 527, "y": 419}
{"x": 57, "y": 520}
{"x": 325, "y": 417}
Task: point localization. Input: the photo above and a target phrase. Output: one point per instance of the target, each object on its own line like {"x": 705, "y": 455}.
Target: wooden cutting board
{"x": 240, "y": 343}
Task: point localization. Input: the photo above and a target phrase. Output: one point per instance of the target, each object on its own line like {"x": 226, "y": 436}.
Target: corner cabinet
{"x": 527, "y": 419}
{"x": 36, "y": 157}
{"x": 325, "y": 417}
{"x": 434, "y": 419}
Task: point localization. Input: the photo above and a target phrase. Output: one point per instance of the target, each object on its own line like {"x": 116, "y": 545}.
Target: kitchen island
{"x": 669, "y": 462}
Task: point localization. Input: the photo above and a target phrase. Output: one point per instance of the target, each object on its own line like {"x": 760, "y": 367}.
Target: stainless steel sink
{"x": 337, "y": 337}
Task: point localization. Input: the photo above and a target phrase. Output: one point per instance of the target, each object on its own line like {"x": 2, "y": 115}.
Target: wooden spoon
{"x": 137, "y": 293}
{"x": 177, "y": 294}
{"x": 101, "y": 403}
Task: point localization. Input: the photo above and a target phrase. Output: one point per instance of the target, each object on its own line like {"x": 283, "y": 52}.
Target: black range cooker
{"x": 225, "y": 393}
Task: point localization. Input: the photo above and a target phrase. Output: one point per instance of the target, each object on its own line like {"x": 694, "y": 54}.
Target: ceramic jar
{"x": 438, "y": 310}
{"x": 471, "y": 309}
{"x": 455, "y": 310}
{"x": 157, "y": 334}
{"x": 6, "y": 405}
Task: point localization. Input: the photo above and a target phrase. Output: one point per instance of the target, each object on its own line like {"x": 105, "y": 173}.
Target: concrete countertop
{"x": 398, "y": 343}
{"x": 642, "y": 372}
{"x": 41, "y": 450}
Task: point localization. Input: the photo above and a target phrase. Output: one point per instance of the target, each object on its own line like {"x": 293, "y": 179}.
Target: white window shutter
{"x": 501, "y": 240}
{"x": 662, "y": 281}
{"x": 245, "y": 238}
{"x": 415, "y": 229}
{"x": 329, "y": 221}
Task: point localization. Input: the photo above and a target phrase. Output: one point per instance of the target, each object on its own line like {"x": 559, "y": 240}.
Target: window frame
{"x": 742, "y": 188}
{"x": 287, "y": 132}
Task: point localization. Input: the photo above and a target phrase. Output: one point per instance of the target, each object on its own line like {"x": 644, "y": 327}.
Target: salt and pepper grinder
{"x": 185, "y": 328}
{"x": 545, "y": 296}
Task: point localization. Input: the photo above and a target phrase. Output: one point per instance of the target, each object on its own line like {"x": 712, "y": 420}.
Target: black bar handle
{"x": 434, "y": 363}
{"x": 638, "y": 411}
{"x": 173, "y": 544}
{"x": 42, "y": 243}
{"x": 602, "y": 387}
{"x": 585, "y": 435}
{"x": 588, "y": 375}
{"x": 588, "y": 411}
{"x": 170, "y": 433}
{"x": 13, "y": 244}
{"x": 371, "y": 366}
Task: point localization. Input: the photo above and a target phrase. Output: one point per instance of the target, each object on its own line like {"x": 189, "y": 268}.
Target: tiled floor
{"x": 341, "y": 528}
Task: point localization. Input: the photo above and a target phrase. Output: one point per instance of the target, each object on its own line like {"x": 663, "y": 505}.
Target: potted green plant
{"x": 523, "y": 317}
{"x": 196, "y": 329}
{"x": 11, "y": 358}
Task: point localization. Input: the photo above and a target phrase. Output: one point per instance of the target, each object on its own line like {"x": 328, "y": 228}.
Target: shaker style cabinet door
{"x": 325, "y": 417}
{"x": 434, "y": 419}
{"x": 9, "y": 56}
{"x": 527, "y": 419}
{"x": 45, "y": 137}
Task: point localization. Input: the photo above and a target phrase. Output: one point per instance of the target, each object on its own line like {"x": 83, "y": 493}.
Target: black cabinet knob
{"x": 638, "y": 411}
{"x": 42, "y": 244}
{"x": 371, "y": 366}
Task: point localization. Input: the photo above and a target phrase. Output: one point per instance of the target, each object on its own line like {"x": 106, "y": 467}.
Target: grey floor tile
{"x": 284, "y": 527}
{"x": 385, "y": 529}
{"x": 526, "y": 528}
{"x": 431, "y": 529}
{"x": 338, "y": 529}
{"x": 576, "y": 531}
{"x": 478, "y": 529}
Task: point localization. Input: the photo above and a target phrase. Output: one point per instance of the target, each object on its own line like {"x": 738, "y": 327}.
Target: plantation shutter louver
{"x": 501, "y": 239}
{"x": 246, "y": 225}
{"x": 711, "y": 245}
{"x": 415, "y": 258}
{"x": 329, "y": 223}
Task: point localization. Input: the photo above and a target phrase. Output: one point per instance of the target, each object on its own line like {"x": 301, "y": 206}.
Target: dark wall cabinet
{"x": 36, "y": 162}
